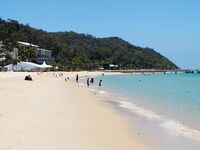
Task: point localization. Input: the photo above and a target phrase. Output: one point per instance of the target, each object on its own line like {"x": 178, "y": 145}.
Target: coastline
{"x": 156, "y": 129}
{"x": 49, "y": 113}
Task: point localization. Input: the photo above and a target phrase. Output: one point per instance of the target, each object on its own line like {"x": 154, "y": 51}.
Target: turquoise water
{"x": 173, "y": 99}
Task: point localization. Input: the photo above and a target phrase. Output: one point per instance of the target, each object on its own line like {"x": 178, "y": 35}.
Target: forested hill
{"x": 83, "y": 51}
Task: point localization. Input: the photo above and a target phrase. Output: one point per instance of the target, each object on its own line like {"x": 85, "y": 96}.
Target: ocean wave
{"x": 93, "y": 90}
{"x": 102, "y": 92}
{"x": 180, "y": 129}
{"x": 139, "y": 110}
{"x": 174, "y": 126}
{"x": 97, "y": 91}
{"x": 81, "y": 84}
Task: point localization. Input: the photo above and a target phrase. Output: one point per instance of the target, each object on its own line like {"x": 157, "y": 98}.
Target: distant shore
{"x": 144, "y": 71}
{"x": 49, "y": 113}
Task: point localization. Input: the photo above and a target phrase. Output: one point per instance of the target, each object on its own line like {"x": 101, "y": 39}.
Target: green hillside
{"x": 83, "y": 51}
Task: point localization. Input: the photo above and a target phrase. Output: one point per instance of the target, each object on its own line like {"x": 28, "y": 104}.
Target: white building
{"x": 27, "y": 44}
{"x": 42, "y": 54}
{"x": 14, "y": 53}
{"x": 2, "y": 54}
{"x": 1, "y": 44}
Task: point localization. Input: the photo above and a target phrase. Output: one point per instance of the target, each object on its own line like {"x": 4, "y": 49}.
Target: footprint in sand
{"x": 2, "y": 115}
{"x": 18, "y": 142}
{"x": 7, "y": 147}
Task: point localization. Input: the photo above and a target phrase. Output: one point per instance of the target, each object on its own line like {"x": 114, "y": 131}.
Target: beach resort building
{"x": 41, "y": 53}
{"x": 44, "y": 55}
{"x": 2, "y": 54}
{"x": 1, "y": 44}
{"x": 14, "y": 53}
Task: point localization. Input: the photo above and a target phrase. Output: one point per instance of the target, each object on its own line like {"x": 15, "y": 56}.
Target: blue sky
{"x": 171, "y": 27}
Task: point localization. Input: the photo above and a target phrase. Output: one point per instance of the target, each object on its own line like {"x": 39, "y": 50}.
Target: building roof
{"x": 27, "y": 44}
{"x": 44, "y": 49}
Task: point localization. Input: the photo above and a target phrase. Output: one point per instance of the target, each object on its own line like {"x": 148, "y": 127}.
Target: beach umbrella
{"x": 44, "y": 65}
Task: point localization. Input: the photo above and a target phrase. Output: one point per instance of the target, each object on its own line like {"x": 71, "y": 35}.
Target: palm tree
{"x": 27, "y": 53}
{"x": 9, "y": 44}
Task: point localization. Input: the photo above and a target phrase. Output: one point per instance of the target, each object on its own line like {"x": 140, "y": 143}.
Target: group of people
{"x": 39, "y": 73}
{"x": 66, "y": 79}
{"x": 58, "y": 75}
{"x": 89, "y": 81}
{"x": 28, "y": 78}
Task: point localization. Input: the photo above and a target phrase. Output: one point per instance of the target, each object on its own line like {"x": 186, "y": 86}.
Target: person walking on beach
{"x": 88, "y": 82}
{"x": 100, "y": 83}
{"x": 77, "y": 78}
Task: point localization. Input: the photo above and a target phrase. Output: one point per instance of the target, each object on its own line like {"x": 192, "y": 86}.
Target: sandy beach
{"x": 50, "y": 114}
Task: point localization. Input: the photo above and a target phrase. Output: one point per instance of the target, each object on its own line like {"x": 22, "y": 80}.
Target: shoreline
{"x": 176, "y": 134}
{"x": 49, "y": 113}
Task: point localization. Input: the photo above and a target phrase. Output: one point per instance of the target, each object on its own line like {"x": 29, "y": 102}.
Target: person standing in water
{"x": 88, "y": 82}
{"x": 92, "y": 80}
{"x": 100, "y": 83}
{"x": 77, "y": 78}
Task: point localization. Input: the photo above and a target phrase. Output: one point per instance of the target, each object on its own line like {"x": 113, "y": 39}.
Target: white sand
{"x": 50, "y": 114}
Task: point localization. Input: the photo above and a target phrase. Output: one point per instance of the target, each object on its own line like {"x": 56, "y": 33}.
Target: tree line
{"x": 74, "y": 51}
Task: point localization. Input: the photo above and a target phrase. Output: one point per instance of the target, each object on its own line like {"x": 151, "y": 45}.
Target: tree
{"x": 81, "y": 50}
{"x": 27, "y": 53}
{"x": 9, "y": 44}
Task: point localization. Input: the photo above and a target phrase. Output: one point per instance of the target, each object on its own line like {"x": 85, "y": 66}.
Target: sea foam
{"x": 173, "y": 126}
{"x": 139, "y": 110}
{"x": 179, "y": 129}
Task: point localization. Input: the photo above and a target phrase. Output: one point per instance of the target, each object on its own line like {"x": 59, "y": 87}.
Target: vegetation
{"x": 82, "y": 51}
{"x": 27, "y": 53}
